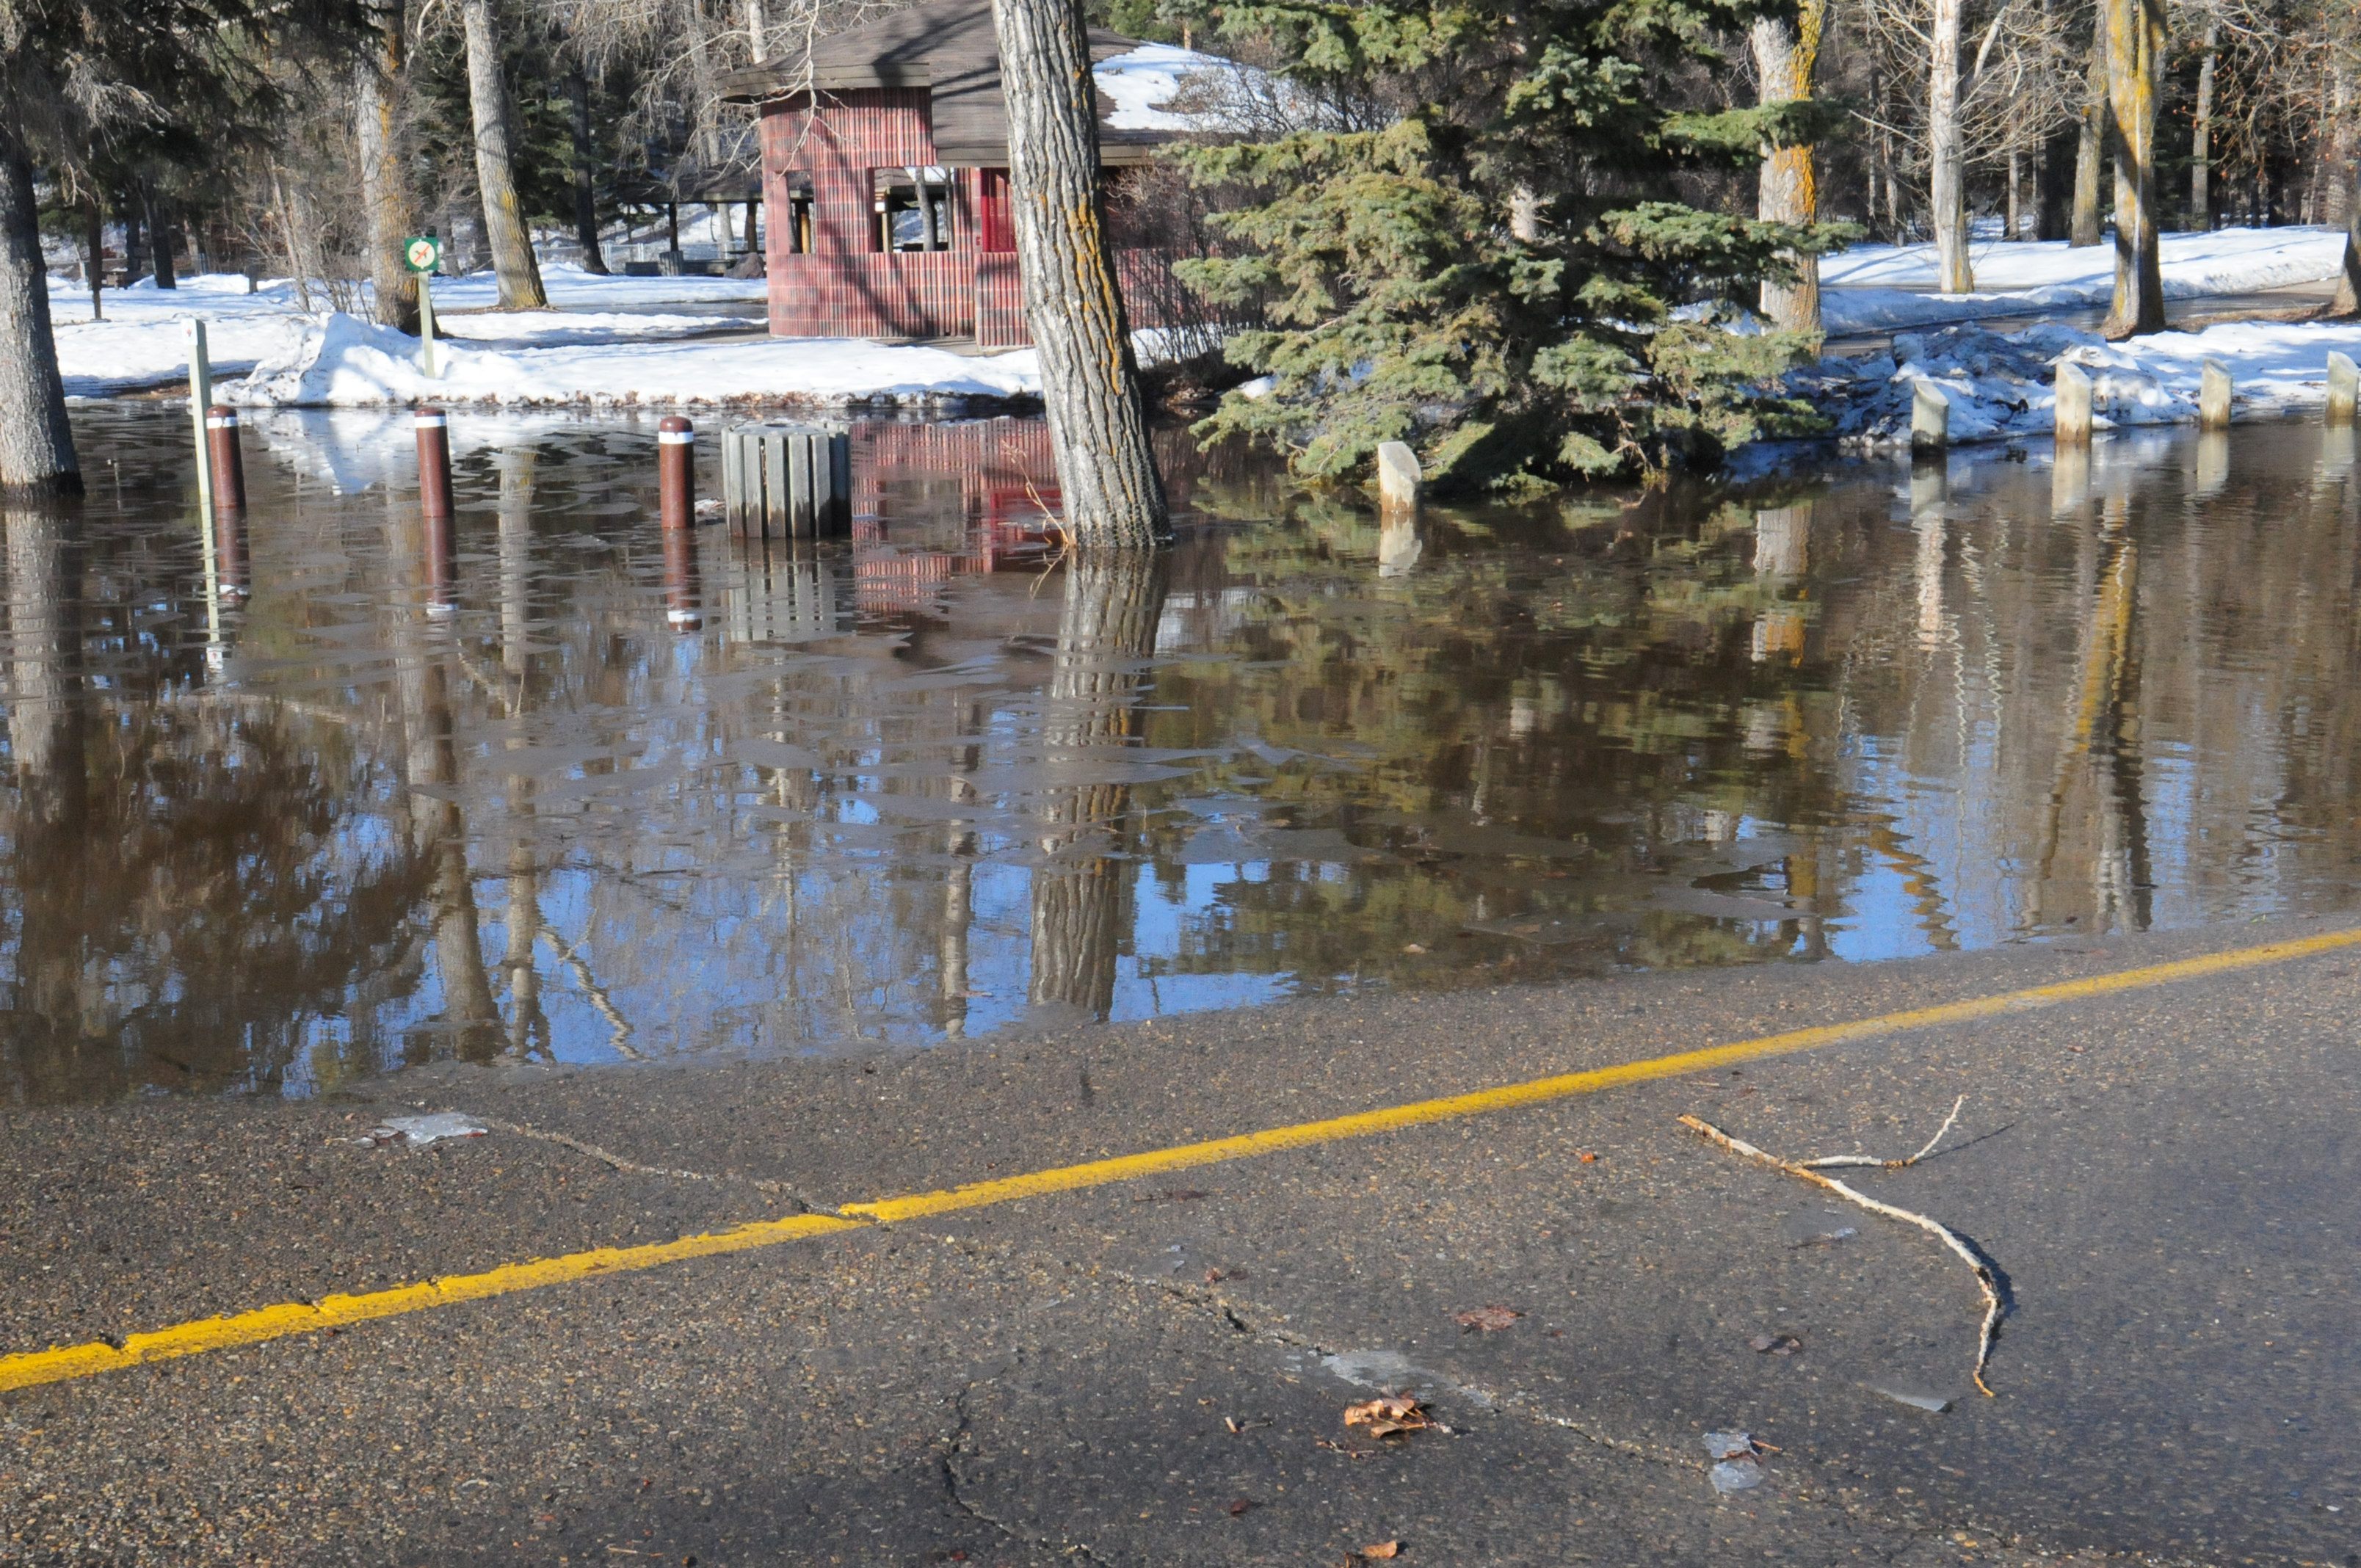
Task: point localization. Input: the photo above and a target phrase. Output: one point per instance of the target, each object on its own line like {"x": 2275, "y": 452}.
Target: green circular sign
{"x": 421, "y": 253}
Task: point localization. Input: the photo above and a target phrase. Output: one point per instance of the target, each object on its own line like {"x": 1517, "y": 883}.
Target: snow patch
{"x": 1142, "y": 83}
{"x": 343, "y": 362}
{"x": 2000, "y": 386}
{"x": 1873, "y": 287}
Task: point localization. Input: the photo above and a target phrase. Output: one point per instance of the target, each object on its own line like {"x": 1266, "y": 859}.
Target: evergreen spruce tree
{"x": 1479, "y": 247}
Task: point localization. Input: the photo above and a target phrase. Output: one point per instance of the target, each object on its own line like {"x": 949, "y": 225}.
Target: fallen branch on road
{"x": 1807, "y": 1171}
{"x": 1827, "y": 1162}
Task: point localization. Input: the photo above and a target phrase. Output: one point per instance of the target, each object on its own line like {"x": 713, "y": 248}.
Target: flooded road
{"x": 577, "y": 804}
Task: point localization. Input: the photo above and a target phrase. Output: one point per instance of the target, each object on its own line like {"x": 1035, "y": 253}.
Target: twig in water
{"x": 1948, "y": 1236}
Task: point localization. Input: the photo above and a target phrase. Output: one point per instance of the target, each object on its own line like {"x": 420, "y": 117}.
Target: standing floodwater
{"x": 584, "y": 800}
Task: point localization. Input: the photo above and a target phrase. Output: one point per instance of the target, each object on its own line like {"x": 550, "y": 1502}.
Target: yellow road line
{"x": 62, "y": 1364}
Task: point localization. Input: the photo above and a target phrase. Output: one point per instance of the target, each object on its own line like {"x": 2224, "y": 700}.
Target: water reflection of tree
{"x": 1082, "y": 913}
{"x": 423, "y": 655}
{"x": 2138, "y": 689}
{"x": 1539, "y": 727}
{"x": 193, "y": 891}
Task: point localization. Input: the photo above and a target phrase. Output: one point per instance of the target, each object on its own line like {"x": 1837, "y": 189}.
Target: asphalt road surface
{"x": 1151, "y": 1362}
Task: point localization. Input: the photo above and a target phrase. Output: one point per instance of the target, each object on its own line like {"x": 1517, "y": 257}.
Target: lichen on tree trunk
{"x": 385, "y": 187}
{"x": 1090, "y": 382}
{"x": 2135, "y": 33}
{"x": 1947, "y": 199}
{"x": 504, "y": 224}
{"x": 2086, "y": 225}
{"x": 36, "y": 449}
{"x": 1787, "y": 190}
{"x": 2200, "y": 135}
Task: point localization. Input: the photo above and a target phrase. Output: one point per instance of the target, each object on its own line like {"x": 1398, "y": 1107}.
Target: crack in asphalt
{"x": 633, "y": 1167}
{"x": 955, "y": 1484}
{"x": 1912, "y": 1536}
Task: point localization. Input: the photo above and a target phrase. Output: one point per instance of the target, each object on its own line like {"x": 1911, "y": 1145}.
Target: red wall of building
{"x": 847, "y": 286}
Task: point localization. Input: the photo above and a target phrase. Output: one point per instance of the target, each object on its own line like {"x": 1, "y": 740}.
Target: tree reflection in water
{"x": 1106, "y": 628}
{"x": 923, "y": 784}
{"x": 196, "y": 900}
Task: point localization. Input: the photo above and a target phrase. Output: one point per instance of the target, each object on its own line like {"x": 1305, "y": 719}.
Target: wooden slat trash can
{"x": 787, "y": 481}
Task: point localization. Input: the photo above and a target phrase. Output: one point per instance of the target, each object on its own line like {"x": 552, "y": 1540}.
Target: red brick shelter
{"x": 885, "y": 182}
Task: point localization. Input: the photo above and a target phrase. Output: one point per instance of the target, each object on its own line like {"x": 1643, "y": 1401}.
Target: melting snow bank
{"x": 2000, "y": 385}
{"x": 345, "y": 362}
{"x": 1871, "y": 287}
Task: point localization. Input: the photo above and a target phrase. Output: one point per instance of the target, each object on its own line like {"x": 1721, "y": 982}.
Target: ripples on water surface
{"x": 926, "y": 784}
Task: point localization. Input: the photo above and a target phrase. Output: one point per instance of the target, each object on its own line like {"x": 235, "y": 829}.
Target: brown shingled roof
{"x": 946, "y": 47}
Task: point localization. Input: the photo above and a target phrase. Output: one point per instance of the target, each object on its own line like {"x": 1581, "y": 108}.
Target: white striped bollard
{"x": 434, "y": 504}
{"x": 677, "y": 471}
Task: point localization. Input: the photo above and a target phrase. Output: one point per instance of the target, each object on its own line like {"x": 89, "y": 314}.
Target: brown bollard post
{"x": 677, "y": 471}
{"x": 229, "y": 535}
{"x": 680, "y": 579}
{"x": 229, "y": 464}
{"x": 433, "y": 462}
{"x": 434, "y": 505}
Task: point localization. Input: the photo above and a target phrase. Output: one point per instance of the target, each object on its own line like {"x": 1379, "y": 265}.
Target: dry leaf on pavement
{"x": 1486, "y": 1317}
{"x": 1382, "y": 1551}
{"x": 1387, "y": 1414}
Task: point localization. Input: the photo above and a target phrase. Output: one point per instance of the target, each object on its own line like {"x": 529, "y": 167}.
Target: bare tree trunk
{"x": 2091, "y": 148}
{"x": 2135, "y": 44}
{"x": 301, "y": 230}
{"x": 134, "y": 251}
{"x": 1876, "y": 161}
{"x": 504, "y": 224}
{"x": 758, "y": 40}
{"x": 94, "y": 246}
{"x": 2014, "y": 228}
{"x": 701, "y": 86}
{"x": 1787, "y": 190}
{"x": 2200, "y": 136}
{"x": 2335, "y": 180}
{"x": 36, "y": 450}
{"x": 1090, "y": 381}
{"x": 385, "y": 188}
{"x": 2348, "y": 281}
{"x": 159, "y": 238}
{"x": 2039, "y": 193}
{"x": 1947, "y": 198}
{"x": 586, "y": 196}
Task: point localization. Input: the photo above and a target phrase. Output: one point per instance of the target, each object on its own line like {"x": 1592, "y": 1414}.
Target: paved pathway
{"x": 1135, "y": 1339}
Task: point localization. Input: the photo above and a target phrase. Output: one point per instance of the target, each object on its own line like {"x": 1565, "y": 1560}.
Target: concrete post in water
{"x": 2343, "y": 388}
{"x": 2213, "y": 396}
{"x": 1930, "y": 418}
{"x": 680, "y": 577}
{"x": 2213, "y": 463}
{"x": 1399, "y": 476}
{"x": 228, "y": 461}
{"x": 201, "y": 398}
{"x": 676, "y": 472}
{"x": 2070, "y": 418}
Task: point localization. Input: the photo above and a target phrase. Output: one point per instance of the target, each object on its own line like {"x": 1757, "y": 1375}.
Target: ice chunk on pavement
{"x": 1738, "y": 1471}
{"x": 417, "y": 1132}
